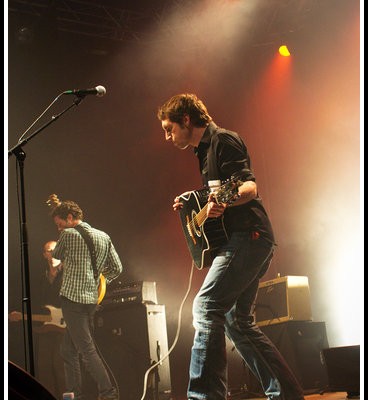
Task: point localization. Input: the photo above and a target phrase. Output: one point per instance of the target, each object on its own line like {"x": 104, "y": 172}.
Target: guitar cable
{"x": 176, "y": 335}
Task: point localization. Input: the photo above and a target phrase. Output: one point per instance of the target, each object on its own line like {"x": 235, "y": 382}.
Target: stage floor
{"x": 323, "y": 396}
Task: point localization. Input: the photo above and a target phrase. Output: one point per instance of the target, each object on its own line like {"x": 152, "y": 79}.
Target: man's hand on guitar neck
{"x": 214, "y": 209}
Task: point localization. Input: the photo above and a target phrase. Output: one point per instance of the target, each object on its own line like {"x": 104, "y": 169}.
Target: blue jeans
{"x": 224, "y": 305}
{"x": 78, "y": 341}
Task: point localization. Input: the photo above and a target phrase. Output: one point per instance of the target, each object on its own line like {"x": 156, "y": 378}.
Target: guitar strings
{"x": 199, "y": 218}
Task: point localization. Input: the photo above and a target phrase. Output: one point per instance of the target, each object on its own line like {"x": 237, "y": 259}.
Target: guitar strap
{"x": 87, "y": 238}
{"x": 213, "y": 172}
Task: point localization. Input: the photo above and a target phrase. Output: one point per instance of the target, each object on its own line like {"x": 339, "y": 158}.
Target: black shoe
{"x": 111, "y": 396}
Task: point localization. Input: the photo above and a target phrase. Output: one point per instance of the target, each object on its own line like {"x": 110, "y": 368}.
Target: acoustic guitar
{"x": 204, "y": 236}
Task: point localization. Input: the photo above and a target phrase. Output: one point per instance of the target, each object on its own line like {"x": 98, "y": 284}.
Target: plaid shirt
{"x": 78, "y": 282}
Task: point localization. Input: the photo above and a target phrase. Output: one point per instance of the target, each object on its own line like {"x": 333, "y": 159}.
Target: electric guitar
{"x": 53, "y": 320}
{"x": 101, "y": 289}
{"x": 53, "y": 201}
{"x": 204, "y": 236}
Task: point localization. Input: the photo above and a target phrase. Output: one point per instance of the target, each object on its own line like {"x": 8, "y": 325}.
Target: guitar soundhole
{"x": 193, "y": 228}
{"x": 194, "y": 224}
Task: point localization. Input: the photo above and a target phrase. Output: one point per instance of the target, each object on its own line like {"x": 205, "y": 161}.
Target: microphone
{"x": 98, "y": 91}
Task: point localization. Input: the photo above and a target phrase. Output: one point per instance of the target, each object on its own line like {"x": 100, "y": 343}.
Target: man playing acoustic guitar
{"x": 224, "y": 303}
{"x": 87, "y": 255}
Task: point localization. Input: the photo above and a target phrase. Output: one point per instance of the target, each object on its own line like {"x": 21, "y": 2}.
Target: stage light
{"x": 284, "y": 51}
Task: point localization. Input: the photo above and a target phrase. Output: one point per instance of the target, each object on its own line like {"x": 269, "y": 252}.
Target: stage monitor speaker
{"x": 301, "y": 344}
{"x": 286, "y": 298}
{"x": 132, "y": 338}
{"x": 23, "y": 386}
{"x": 343, "y": 369}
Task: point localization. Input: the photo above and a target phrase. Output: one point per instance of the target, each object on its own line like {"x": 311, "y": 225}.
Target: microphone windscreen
{"x": 101, "y": 91}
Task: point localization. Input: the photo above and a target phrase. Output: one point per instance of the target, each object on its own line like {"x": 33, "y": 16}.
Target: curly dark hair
{"x": 65, "y": 208}
{"x": 185, "y": 104}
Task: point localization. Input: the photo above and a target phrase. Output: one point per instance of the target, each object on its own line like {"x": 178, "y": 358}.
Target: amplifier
{"x": 286, "y": 298}
{"x": 132, "y": 338}
{"x": 135, "y": 292}
{"x": 343, "y": 369}
{"x": 301, "y": 343}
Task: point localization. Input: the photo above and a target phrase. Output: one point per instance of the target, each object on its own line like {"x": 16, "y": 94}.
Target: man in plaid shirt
{"x": 79, "y": 295}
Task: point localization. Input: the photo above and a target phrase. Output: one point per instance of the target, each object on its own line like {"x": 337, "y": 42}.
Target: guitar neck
{"x": 39, "y": 318}
{"x": 201, "y": 215}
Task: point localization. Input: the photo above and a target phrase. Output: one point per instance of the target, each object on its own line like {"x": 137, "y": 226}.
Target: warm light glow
{"x": 284, "y": 51}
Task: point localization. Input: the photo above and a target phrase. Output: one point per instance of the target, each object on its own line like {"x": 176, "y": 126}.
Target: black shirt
{"x": 50, "y": 291}
{"x": 222, "y": 154}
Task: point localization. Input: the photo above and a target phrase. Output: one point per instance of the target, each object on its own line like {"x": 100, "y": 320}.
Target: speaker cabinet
{"x": 23, "y": 386}
{"x": 283, "y": 299}
{"x": 343, "y": 369}
{"x": 131, "y": 339}
{"x": 302, "y": 345}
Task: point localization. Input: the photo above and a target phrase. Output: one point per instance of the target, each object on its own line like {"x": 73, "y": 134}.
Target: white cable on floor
{"x": 176, "y": 336}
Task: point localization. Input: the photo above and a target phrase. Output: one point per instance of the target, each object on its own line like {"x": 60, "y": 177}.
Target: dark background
{"x": 301, "y": 123}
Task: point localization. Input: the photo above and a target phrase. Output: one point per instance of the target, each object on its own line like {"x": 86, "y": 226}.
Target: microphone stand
{"x": 20, "y": 155}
